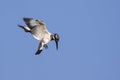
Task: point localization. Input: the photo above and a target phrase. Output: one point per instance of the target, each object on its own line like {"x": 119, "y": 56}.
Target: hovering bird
{"x": 39, "y": 31}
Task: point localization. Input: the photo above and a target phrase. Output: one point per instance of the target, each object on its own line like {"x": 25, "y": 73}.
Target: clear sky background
{"x": 89, "y": 47}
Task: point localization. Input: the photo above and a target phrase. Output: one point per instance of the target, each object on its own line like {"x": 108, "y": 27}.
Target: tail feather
{"x": 21, "y": 26}
{"x": 26, "y": 29}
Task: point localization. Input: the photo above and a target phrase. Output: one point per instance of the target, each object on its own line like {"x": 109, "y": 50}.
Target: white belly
{"x": 46, "y": 39}
{"x": 40, "y": 34}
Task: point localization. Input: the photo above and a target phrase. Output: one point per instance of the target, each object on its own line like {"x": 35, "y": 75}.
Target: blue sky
{"x": 89, "y": 40}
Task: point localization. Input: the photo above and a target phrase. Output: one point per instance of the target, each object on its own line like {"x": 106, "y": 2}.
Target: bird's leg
{"x": 46, "y": 46}
{"x": 25, "y": 29}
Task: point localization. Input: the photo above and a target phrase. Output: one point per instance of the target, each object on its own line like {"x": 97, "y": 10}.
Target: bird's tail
{"x": 21, "y": 26}
{"x": 26, "y": 29}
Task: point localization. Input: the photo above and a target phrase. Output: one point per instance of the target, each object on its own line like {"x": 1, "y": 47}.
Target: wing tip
{"x": 38, "y": 52}
{"x": 27, "y": 19}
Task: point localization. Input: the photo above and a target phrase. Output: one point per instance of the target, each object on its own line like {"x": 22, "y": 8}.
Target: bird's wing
{"x": 39, "y": 49}
{"x": 39, "y": 32}
{"x": 30, "y": 22}
{"x": 38, "y": 28}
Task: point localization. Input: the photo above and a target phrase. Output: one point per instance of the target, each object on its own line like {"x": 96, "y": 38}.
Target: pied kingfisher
{"x": 39, "y": 31}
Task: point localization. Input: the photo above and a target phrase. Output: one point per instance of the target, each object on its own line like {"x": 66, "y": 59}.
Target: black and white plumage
{"x": 39, "y": 31}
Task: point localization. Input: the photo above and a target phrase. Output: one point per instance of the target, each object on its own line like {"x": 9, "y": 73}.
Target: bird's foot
{"x": 46, "y": 46}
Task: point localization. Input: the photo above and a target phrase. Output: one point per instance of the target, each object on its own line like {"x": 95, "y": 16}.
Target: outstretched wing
{"x": 38, "y": 28}
{"x": 30, "y": 22}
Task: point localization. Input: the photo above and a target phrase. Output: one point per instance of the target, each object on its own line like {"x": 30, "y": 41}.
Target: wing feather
{"x": 38, "y": 28}
{"x": 30, "y": 22}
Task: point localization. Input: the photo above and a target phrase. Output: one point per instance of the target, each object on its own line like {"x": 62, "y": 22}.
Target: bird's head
{"x": 56, "y": 38}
